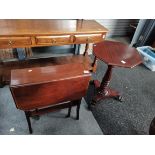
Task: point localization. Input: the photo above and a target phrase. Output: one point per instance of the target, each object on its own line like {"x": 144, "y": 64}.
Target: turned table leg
{"x": 69, "y": 111}
{"x": 106, "y": 80}
{"x": 78, "y": 103}
{"x": 103, "y": 90}
{"x": 78, "y": 109}
{"x": 27, "y": 114}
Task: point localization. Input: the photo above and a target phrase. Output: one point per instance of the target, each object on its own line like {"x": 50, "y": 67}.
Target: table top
{"x": 37, "y": 75}
{"x": 18, "y": 27}
{"x": 117, "y": 54}
{"x": 21, "y": 33}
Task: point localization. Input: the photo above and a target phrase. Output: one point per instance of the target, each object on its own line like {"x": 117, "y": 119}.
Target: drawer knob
{"x": 89, "y": 39}
{"x": 10, "y": 42}
{"x": 53, "y": 41}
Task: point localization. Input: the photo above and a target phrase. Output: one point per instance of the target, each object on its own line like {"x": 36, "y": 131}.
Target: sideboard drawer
{"x": 9, "y": 42}
{"x": 49, "y": 40}
{"x": 88, "y": 38}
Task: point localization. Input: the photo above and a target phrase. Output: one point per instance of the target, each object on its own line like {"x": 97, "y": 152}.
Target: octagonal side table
{"x": 114, "y": 54}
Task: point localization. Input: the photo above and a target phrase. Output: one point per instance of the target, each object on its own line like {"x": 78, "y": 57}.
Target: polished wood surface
{"x": 15, "y": 41}
{"x": 29, "y": 76}
{"x": 6, "y": 67}
{"x": 113, "y": 54}
{"x": 117, "y": 54}
{"x": 46, "y": 86}
{"x": 48, "y": 40}
{"x": 46, "y": 32}
{"x": 23, "y": 33}
{"x": 47, "y": 26}
{"x": 102, "y": 89}
{"x": 43, "y": 89}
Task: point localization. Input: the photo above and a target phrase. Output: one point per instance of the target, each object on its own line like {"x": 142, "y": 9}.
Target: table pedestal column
{"x": 103, "y": 90}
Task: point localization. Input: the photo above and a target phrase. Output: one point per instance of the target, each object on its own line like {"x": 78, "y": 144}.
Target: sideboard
{"x": 22, "y": 33}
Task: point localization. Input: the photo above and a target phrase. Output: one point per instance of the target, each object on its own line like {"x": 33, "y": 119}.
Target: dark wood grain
{"x": 44, "y": 89}
{"x": 21, "y": 33}
{"x": 30, "y": 76}
{"x": 6, "y": 67}
{"x": 48, "y": 85}
{"x": 115, "y": 53}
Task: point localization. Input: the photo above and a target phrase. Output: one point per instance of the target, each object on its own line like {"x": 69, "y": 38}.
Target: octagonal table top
{"x": 117, "y": 54}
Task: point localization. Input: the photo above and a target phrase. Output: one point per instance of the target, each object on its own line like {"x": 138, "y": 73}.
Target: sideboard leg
{"x": 77, "y": 49}
{"x": 28, "y": 121}
{"x": 69, "y": 111}
{"x": 94, "y": 65}
{"x": 78, "y": 109}
{"x": 86, "y": 49}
